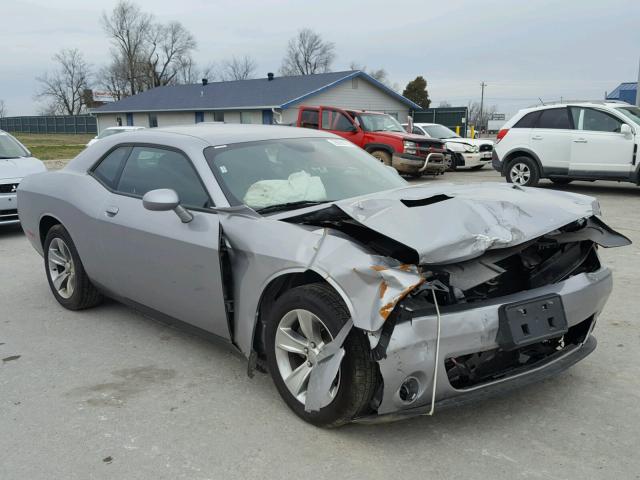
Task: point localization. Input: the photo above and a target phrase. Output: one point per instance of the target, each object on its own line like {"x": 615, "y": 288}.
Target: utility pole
{"x": 638, "y": 86}
{"x": 482, "y": 85}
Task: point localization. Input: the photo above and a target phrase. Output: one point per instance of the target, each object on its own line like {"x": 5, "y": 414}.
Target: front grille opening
{"x": 8, "y": 188}
{"x": 8, "y": 213}
{"x": 478, "y": 368}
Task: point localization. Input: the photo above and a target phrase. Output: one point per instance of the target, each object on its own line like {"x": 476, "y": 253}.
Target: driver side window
{"x": 594, "y": 120}
{"x": 336, "y": 121}
{"x": 149, "y": 168}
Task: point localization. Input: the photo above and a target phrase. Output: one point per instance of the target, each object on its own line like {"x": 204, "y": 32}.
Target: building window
{"x": 153, "y": 120}
{"x": 245, "y": 117}
{"x": 218, "y": 116}
{"x": 354, "y": 83}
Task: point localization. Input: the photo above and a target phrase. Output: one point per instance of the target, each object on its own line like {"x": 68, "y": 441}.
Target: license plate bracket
{"x": 531, "y": 321}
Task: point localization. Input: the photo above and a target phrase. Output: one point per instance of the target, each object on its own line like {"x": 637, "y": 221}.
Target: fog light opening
{"x": 409, "y": 389}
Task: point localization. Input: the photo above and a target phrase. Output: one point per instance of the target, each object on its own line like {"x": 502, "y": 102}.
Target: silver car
{"x": 363, "y": 296}
{"x": 16, "y": 162}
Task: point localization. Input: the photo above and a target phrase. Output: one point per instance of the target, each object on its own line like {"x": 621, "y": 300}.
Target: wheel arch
{"x": 47, "y": 221}
{"x": 276, "y": 286}
{"x": 372, "y": 147}
{"x": 521, "y": 152}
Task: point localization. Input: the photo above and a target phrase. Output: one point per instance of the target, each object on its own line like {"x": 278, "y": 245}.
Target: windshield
{"x": 379, "y": 123}
{"x": 109, "y": 132}
{"x": 632, "y": 113}
{"x": 440, "y": 131}
{"x": 303, "y": 170}
{"x": 11, "y": 148}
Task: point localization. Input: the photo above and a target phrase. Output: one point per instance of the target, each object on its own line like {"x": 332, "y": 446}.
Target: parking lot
{"x": 109, "y": 393}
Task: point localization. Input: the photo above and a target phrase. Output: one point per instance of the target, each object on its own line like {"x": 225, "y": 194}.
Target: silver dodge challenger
{"x": 364, "y": 297}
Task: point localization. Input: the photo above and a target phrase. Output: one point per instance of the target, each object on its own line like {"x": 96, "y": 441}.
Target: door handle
{"x": 580, "y": 140}
{"x": 536, "y": 137}
{"x": 112, "y": 211}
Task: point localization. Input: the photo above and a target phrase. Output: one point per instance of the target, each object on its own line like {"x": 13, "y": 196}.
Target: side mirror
{"x": 626, "y": 130}
{"x": 163, "y": 200}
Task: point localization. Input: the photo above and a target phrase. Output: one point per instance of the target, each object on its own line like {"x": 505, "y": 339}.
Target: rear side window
{"x": 554, "y": 118}
{"x": 528, "y": 121}
{"x": 108, "y": 169}
{"x": 309, "y": 119}
{"x": 149, "y": 168}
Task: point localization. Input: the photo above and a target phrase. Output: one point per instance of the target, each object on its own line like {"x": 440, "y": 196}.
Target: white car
{"x": 473, "y": 153}
{"x": 565, "y": 142}
{"x": 16, "y": 163}
{"x": 107, "y": 132}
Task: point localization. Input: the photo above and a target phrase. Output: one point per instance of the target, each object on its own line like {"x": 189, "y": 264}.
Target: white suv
{"x": 574, "y": 141}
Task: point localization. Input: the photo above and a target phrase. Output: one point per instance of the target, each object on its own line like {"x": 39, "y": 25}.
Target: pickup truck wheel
{"x": 300, "y": 323}
{"x": 383, "y": 156}
{"x": 523, "y": 171}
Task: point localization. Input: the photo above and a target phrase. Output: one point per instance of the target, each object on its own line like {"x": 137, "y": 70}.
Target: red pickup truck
{"x": 381, "y": 135}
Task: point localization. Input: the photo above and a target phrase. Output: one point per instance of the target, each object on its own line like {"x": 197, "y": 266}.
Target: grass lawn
{"x": 54, "y": 146}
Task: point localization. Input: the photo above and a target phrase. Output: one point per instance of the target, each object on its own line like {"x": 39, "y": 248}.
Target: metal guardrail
{"x": 50, "y": 124}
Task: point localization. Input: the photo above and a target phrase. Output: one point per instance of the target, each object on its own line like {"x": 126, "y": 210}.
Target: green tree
{"x": 416, "y": 91}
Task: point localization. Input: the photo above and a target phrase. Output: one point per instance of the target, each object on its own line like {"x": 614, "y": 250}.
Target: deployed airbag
{"x": 300, "y": 186}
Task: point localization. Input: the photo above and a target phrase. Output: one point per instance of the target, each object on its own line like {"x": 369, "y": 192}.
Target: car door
{"x": 339, "y": 122}
{"x": 598, "y": 148}
{"x": 153, "y": 258}
{"x": 550, "y": 140}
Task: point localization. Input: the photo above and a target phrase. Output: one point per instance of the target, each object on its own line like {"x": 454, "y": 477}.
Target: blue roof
{"x": 281, "y": 92}
{"x": 625, "y": 91}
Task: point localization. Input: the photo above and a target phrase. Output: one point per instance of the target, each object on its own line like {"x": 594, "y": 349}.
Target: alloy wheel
{"x": 300, "y": 337}
{"x": 61, "y": 268}
{"x": 520, "y": 174}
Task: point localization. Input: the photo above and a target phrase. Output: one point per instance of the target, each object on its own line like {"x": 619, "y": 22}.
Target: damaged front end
{"x": 511, "y": 300}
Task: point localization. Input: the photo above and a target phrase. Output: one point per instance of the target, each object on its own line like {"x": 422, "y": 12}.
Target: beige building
{"x": 269, "y": 100}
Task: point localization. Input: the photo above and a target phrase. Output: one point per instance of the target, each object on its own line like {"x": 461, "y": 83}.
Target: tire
{"x": 75, "y": 292}
{"x": 523, "y": 171}
{"x": 561, "y": 181}
{"x": 452, "y": 163}
{"x": 383, "y": 156}
{"x": 357, "y": 378}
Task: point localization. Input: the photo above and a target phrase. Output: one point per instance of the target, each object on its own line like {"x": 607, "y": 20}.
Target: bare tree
{"x": 444, "y": 104}
{"x": 167, "y": 50}
{"x": 3, "y": 109}
{"x": 113, "y": 78}
{"x": 379, "y": 74}
{"x": 241, "y": 68}
{"x": 474, "y": 114}
{"x": 129, "y": 29}
{"x": 307, "y": 54}
{"x": 63, "y": 88}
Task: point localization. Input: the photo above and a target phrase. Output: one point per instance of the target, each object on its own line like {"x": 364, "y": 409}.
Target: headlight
{"x": 471, "y": 148}
{"x": 410, "y": 147}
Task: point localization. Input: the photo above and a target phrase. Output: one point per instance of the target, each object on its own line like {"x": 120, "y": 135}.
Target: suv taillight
{"x": 501, "y": 134}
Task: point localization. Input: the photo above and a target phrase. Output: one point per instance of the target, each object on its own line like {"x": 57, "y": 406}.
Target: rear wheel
{"x": 384, "y": 157}
{"x": 68, "y": 281}
{"x": 523, "y": 171}
{"x": 302, "y": 321}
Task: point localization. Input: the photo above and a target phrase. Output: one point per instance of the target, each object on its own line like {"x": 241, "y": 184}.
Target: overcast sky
{"x": 522, "y": 49}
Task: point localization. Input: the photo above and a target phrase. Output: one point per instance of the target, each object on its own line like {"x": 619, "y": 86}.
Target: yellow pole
{"x": 457, "y": 129}
{"x": 473, "y": 131}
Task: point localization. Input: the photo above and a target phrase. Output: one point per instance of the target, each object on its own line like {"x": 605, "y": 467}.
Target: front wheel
{"x": 68, "y": 281}
{"x": 523, "y": 171}
{"x": 303, "y": 320}
{"x": 383, "y": 156}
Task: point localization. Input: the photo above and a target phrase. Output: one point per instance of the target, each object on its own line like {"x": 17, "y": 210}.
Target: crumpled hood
{"x": 411, "y": 137}
{"x": 451, "y": 223}
{"x": 16, "y": 168}
{"x": 470, "y": 141}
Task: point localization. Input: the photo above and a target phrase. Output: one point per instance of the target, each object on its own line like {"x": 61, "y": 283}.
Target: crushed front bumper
{"x": 411, "y": 349}
{"x": 412, "y": 164}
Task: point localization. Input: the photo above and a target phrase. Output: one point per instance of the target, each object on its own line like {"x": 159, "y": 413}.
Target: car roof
{"x": 576, "y": 103}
